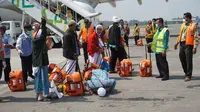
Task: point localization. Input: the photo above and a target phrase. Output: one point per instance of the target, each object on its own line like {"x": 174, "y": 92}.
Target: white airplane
{"x": 89, "y": 5}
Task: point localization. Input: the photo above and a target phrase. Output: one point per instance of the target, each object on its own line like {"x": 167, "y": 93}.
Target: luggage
{"x": 139, "y": 42}
{"x": 125, "y": 68}
{"x": 16, "y": 82}
{"x": 57, "y": 74}
{"x": 146, "y": 66}
{"x": 74, "y": 85}
{"x": 49, "y": 43}
{"x": 100, "y": 78}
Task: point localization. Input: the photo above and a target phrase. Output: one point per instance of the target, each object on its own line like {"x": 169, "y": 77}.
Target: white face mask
{"x": 184, "y": 20}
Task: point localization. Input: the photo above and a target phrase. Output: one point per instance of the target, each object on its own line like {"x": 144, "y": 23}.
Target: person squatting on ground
{"x": 24, "y": 48}
{"x": 160, "y": 47}
{"x": 188, "y": 41}
{"x": 40, "y": 63}
{"x": 96, "y": 45}
{"x": 85, "y": 33}
{"x": 71, "y": 49}
{"x": 7, "y": 44}
{"x": 114, "y": 43}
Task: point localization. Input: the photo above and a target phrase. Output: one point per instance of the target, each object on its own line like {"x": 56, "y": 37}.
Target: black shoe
{"x": 159, "y": 76}
{"x": 165, "y": 78}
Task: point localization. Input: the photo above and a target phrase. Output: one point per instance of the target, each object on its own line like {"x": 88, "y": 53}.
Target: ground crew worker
{"x": 8, "y": 44}
{"x": 136, "y": 33}
{"x": 159, "y": 47}
{"x": 24, "y": 48}
{"x": 127, "y": 32}
{"x": 85, "y": 32}
{"x": 188, "y": 40}
{"x": 71, "y": 49}
{"x": 149, "y": 34}
{"x": 154, "y": 29}
{"x": 114, "y": 43}
{"x": 2, "y": 59}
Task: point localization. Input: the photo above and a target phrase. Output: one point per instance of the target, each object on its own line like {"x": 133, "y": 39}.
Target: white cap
{"x": 101, "y": 92}
{"x": 115, "y": 19}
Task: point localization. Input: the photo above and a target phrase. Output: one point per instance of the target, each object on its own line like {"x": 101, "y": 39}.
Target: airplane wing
{"x": 111, "y": 2}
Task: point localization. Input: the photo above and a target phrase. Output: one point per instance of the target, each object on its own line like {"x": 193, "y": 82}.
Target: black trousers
{"x": 186, "y": 58}
{"x": 84, "y": 45}
{"x": 1, "y": 68}
{"x": 27, "y": 67}
{"x": 7, "y": 70}
{"x": 149, "y": 40}
{"x": 126, "y": 40}
{"x": 114, "y": 55}
{"x": 136, "y": 39}
{"x": 162, "y": 65}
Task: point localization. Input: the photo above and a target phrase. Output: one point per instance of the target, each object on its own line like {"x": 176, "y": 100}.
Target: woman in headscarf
{"x": 95, "y": 46}
{"x": 41, "y": 62}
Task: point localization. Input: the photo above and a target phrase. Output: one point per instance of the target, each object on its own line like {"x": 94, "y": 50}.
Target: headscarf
{"x": 99, "y": 27}
{"x": 99, "y": 35}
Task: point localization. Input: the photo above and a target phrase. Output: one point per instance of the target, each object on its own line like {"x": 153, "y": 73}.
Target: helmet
{"x": 101, "y": 92}
{"x": 115, "y": 19}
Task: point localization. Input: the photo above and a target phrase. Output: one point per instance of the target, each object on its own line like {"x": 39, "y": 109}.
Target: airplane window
{"x": 17, "y": 25}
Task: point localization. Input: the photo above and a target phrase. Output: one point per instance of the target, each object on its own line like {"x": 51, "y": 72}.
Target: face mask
{"x": 29, "y": 33}
{"x": 33, "y": 27}
{"x": 157, "y": 26}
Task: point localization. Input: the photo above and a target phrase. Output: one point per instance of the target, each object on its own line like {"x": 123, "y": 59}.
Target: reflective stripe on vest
{"x": 190, "y": 32}
{"x": 158, "y": 41}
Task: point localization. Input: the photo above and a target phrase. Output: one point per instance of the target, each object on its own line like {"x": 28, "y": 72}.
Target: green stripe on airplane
{"x": 26, "y": 6}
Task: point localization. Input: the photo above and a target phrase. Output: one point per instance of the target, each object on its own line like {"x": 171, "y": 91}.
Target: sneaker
{"x": 187, "y": 79}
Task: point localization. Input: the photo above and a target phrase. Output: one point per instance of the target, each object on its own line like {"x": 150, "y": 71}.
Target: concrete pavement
{"x": 132, "y": 94}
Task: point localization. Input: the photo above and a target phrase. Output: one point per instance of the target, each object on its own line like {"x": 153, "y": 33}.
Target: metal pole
{"x": 23, "y": 18}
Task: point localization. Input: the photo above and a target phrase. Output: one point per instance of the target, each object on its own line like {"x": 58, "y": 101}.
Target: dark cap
{"x": 3, "y": 28}
{"x": 28, "y": 26}
{"x": 86, "y": 21}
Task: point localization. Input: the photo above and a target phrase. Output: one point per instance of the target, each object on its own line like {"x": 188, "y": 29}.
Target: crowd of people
{"x": 32, "y": 48}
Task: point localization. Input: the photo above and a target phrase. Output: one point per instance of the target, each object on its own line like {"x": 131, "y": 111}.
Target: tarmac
{"x": 132, "y": 94}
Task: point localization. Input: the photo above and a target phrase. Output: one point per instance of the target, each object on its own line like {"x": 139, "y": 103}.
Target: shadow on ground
{"x": 179, "y": 77}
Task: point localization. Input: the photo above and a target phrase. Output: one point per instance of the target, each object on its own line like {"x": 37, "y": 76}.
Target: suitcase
{"x": 16, "y": 82}
{"x": 139, "y": 42}
{"x": 125, "y": 68}
{"x": 56, "y": 73}
{"x": 146, "y": 66}
{"x": 74, "y": 85}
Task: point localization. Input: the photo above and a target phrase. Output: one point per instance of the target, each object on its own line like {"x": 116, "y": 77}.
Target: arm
{"x": 10, "y": 43}
{"x": 196, "y": 40}
{"x": 18, "y": 44}
{"x": 81, "y": 32}
{"x": 166, "y": 40}
{"x": 118, "y": 37}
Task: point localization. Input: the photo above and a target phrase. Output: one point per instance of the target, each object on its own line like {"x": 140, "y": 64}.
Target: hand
{"x": 163, "y": 53}
{"x": 176, "y": 46}
{"x": 4, "y": 64}
{"x": 194, "y": 50}
{"x": 19, "y": 51}
{"x": 101, "y": 50}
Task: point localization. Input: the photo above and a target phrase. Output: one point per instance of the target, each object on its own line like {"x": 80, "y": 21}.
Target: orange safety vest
{"x": 190, "y": 32}
{"x": 86, "y": 33}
